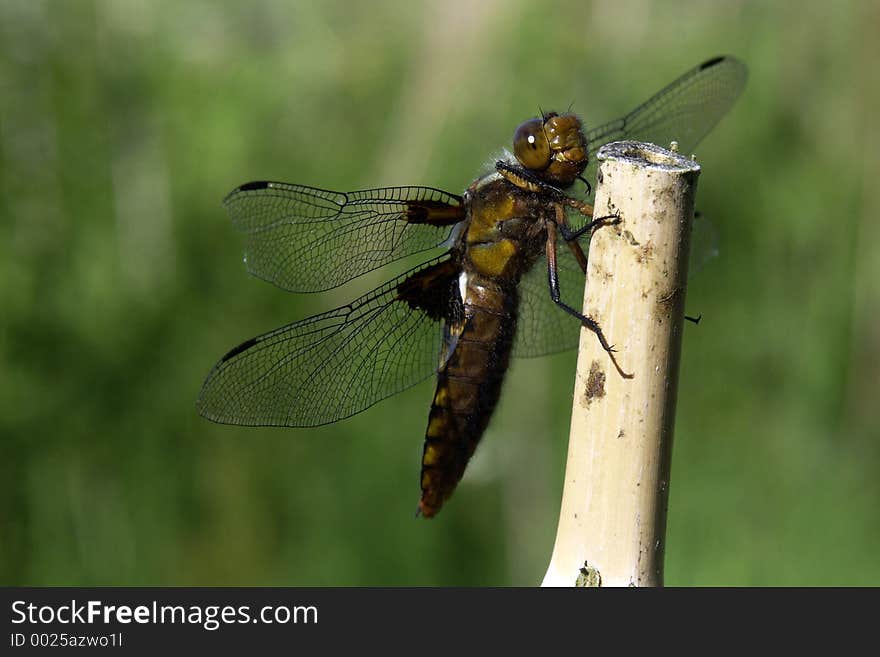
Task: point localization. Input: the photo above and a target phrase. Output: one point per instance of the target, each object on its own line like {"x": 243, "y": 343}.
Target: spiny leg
{"x": 527, "y": 180}
{"x": 553, "y": 279}
{"x": 571, "y": 236}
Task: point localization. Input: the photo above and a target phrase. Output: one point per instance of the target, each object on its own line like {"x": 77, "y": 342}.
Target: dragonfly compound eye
{"x": 531, "y": 146}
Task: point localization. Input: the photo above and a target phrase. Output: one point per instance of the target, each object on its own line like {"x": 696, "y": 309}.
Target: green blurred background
{"x": 122, "y": 126}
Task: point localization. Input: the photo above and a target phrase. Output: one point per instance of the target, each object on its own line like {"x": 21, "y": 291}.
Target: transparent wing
{"x": 704, "y": 244}
{"x": 305, "y": 239}
{"x": 333, "y": 365}
{"x": 543, "y": 327}
{"x": 683, "y": 111}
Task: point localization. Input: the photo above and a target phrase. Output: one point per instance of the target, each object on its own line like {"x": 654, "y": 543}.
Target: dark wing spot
{"x": 711, "y": 63}
{"x": 235, "y": 351}
{"x": 256, "y": 184}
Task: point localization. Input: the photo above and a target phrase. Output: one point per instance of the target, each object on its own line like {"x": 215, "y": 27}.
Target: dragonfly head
{"x": 553, "y": 145}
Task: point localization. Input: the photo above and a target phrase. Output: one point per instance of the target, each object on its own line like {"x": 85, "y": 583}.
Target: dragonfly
{"x": 507, "y": 283}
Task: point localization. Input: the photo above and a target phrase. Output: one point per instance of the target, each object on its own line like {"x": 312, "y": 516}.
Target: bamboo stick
{"x": 612, "y": 522}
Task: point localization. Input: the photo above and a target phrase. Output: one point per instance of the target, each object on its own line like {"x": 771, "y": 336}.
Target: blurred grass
{"x": 123, "y": 124}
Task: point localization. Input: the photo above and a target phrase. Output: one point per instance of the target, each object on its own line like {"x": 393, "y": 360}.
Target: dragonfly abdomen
{"x": 468, "y": 388}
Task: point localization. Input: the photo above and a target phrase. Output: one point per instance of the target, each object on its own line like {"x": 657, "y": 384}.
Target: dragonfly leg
{"x": 573, "y": 245}
{"x": 587, "y": 183}
{"x": 527, "y": 180}
{"x": 570, "y": 235}
{"x": 553, "y": 279}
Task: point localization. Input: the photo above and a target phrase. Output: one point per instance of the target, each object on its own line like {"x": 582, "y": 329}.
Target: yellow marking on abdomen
{"x": 438, "y": 427}
{"x": 432, "y": 454}
{"x": 492, "y": 259}
{"x": 441, "y": 398}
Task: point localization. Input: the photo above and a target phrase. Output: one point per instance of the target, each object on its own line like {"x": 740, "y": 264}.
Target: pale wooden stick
{"x": 612, "y": 523}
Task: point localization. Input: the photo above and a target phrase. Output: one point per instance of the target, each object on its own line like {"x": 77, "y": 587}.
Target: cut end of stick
{"x": 647, "y": 156}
